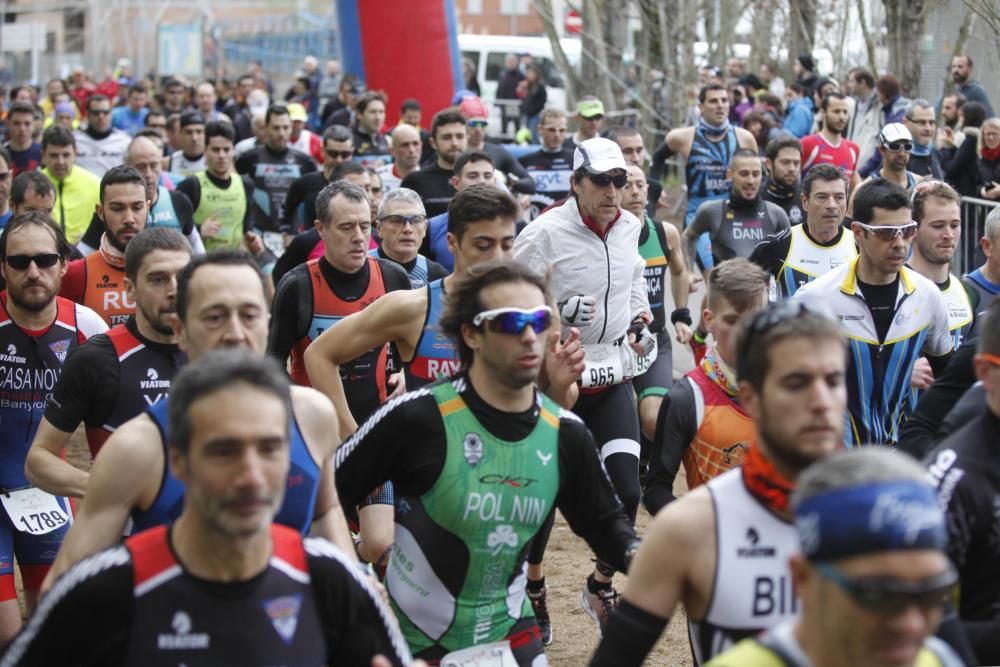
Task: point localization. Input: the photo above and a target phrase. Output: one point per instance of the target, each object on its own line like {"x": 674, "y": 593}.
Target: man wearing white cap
{"x": 895, "y": 143}
{"x": 589, "y": 117}
{"x": 589, "y": 245}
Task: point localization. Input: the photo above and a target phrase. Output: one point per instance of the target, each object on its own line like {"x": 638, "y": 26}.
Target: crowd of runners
{"x": 393, "y": 353}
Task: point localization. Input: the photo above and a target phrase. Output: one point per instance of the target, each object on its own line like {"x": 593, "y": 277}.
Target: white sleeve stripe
{"x": 85, "y": 569}
{"x": 320, "y": 548}
{"x": 351, "y": 443}
{"x": 158, "y": 580}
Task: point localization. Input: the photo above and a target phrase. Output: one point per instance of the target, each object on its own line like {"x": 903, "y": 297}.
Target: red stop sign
{"x": 574, "y": 22}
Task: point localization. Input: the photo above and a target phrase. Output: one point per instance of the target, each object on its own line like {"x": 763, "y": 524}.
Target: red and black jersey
{"x": 309, "y": 606}
{"x": 95, "y": 283}
{"x": 111, "y": 379}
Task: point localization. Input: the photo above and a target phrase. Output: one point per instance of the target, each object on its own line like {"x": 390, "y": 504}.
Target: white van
{"x": 487, "y": 53}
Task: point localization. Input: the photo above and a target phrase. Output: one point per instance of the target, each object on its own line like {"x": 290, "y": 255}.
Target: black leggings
{"x": 612, "y": 419}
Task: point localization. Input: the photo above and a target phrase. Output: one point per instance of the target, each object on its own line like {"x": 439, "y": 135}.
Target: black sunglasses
{"x": 343, "y": 155}
{"x": 604, "y": 180}
{"x": 43, "y": 261}
{"x": 889, "y": 596}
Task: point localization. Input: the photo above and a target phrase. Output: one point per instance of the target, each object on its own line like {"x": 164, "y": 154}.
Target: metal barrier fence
{"x": 970, "y": 254}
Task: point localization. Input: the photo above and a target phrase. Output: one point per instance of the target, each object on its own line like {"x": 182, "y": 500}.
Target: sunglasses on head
{"x": 896, "y": 146}
{"x": 514, "y": 320}
{"x": 43, "y": 261}
{"x": 889, "y": 232}
{"x": 481, "y": 124}
{"x": 891, "y": 596}
{"x": 604, "y": 180}
{"x": 343, "y": 155}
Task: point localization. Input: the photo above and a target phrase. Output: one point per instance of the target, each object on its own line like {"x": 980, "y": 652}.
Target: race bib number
{"x": 33, "y": 511}
{"x": 274, "y": 242}
{"x": 644, "y": 362}
{"x": 496, "y": 654}
{"x": 603, "y": 365}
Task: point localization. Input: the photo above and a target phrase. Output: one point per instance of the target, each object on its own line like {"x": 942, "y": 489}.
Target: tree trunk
{"x": 801, "y": 28}
{"x": 866, "y": 34}
{"x": 905, "y": 22}
{"x": 570, "y": 73}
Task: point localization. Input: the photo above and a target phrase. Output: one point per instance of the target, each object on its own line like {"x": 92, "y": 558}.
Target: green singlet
{"x": 458, "y": 569}
{"x": 227, "y": 206}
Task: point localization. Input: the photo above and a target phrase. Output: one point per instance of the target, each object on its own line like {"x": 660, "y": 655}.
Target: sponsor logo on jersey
{"x": 502, "y": 536}
{"x": 754, "y": 548}
{"x": 515, "y": 482}
{"x": 544, "y": 458}
{"x": 284, "y": 615}
{"x": 106, "y": 282}
{"x": 473, "y": 447}
{"x": 60, "y": 348}
{"x": 182, "y": 639}
{"x": 153, "y": 380}
{"x": 12, "y": 357}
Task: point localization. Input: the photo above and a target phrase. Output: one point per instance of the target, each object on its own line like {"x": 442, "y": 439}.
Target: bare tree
{"x": 905, "y": 23}
{"x": 988, "y": 11}
{"x": 801, "y": 27}
{"x": 570, "y": 74}
{"x": 867, "y": 35}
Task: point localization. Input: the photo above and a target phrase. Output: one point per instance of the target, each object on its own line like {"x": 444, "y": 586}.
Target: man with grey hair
{"x": 402, "y": 224}
{"x": 872, "y": 577}
{"x": 314, "y": 296}
{"x": 405, "y": 150}
{"x": 224, "y": 557}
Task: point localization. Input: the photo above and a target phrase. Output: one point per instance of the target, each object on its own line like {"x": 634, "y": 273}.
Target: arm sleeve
{"x": 703, "y": 218}
{"x": 191, "y": 188}
{"x": 285, "y": 320}
{"x": 296, "y": 253}
{"x": 357, "y": 624}
{"x": 771, "y": 252}
{"x": 675, "y": 429}
{"x": 658, "y": 162}
{"x": 290, "y": 218}
{"x": 918, "y": 433}
{"x": 587, "y": 499}
{"x": 248, "y": 188}
{"x": 245, "y": 163}
{"x": 969, "y": 406}
{"x": 66, "y": 631}
{"x": 87, "y": 388}
{"x": 376, "y": 453}
{"x": 629, "y": 638}
{"x": 184, "y": 210}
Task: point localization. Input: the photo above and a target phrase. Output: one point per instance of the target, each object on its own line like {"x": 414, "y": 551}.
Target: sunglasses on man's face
{"x": 897, "y": 146}
{"x": 890, "y": 596}
{"x": 514, "y": 320}
{"x": 479, "y": 124}
{"x": 43, "y": 261}
{"x": 604, "y": 180}
{"x": 343, "y": 155}
{"x": 889, "y": 232}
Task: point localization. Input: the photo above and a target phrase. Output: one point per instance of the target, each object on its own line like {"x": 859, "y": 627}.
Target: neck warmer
{"x": 991, "y": 154}
{"x": 719, "y": 372}
{"x": 111, "y": 254}
{"x": 736, "y": 201}
{"x": 763, "y": 481}
{"x": 780, "y": 191}
{"x": 99, "y": 135}
{"x": 713, "y": 130}
{"x": 920, "y": 151}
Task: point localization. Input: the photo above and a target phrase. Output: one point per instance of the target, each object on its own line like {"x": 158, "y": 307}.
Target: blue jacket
{"x": 799, "y": 120}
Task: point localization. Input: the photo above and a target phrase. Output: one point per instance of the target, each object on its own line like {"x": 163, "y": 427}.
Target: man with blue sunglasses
{"x": 485, "y": 460}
